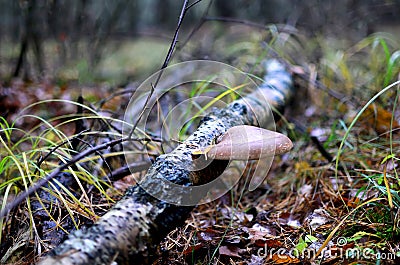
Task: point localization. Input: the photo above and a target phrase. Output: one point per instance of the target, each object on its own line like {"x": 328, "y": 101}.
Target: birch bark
{"x": 128, "y": 232}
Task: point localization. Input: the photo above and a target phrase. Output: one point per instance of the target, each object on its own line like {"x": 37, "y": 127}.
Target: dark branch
{"x": 198, "y": 26}
{"x": 128, "y": 169}
{"x": 21, "y": 197}
{"x": 175, "y": 39}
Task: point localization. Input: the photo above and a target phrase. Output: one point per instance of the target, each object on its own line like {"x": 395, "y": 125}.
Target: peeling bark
{"x": 139, "y": 221}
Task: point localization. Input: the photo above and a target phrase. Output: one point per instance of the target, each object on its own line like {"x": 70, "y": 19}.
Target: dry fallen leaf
{"x": 230, "y": 251}
{"x": 378, "y": 118}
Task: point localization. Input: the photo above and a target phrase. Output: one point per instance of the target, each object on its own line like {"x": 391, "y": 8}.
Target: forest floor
{"x": 332, "y": 199}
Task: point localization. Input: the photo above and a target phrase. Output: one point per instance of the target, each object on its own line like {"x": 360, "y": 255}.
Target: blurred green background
{"x": 122, "y": 40}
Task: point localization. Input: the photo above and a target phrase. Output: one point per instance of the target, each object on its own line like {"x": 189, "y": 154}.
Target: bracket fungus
{"x": 246, "y": 142}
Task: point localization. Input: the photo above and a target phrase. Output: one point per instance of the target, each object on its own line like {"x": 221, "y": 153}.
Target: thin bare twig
{"x": 238, "y": 21}
{"x": 175, "y": 39}
{"x": 285, "y": 27}
{"x": 116, "y": 94}
{"x": 170, "y": 52}
{"x": 142, "y": 112}
{"x": 205, "y": 18}
{"x": 193, "y": 4}
{"x": 198, "y": 26}
{"x": 99, "y": 154}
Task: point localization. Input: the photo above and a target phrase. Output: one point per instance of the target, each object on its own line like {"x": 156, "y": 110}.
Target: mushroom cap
{"x": 247, "y": 143}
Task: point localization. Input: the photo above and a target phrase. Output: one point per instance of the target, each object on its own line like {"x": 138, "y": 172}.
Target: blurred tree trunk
{"x": 163, "y": 13}
{"x": 225, "y": 8}
{"x": 30, "y": 36}
{"x": 103, "y": 27}
{"x": 78, "y": 28}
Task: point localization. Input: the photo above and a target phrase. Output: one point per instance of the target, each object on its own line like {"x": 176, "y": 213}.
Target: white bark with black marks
{"x": 139, "y": 221}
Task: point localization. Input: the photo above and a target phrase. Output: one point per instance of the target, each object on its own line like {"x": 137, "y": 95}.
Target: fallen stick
{"x": 131, "y": 229}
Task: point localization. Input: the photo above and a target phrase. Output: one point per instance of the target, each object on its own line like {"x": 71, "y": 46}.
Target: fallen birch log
{"x": 129, "y": 231}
